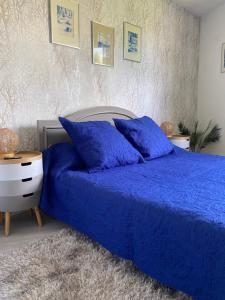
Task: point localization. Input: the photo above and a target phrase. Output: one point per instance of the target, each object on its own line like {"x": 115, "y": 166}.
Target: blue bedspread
{"x": 166, "y": 215}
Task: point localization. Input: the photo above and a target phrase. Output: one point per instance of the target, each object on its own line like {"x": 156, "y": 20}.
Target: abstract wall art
{"x": 102, "y": 44}
{"x": 132, "y": 37}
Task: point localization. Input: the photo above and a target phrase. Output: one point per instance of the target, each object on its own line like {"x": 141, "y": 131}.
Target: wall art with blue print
{"x": 102, "y": 44}
{"x": 65, "y": 23}
{"x": 132, "y": 42}
{"x": 65, "y": 20}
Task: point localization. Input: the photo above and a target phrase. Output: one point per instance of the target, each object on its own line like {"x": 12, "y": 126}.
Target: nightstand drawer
{"x": 21, "y": 187}
{"x": 182, "y": 141}
{"x": 10, "y": 172}
{"x": 184, "y": 144}
{"x": 19, "y": 203}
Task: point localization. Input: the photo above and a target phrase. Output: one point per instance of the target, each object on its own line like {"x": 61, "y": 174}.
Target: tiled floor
{"x": 24, "y": 229}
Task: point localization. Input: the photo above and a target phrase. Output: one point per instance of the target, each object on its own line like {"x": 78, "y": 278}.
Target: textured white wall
{"x": 211, "y": 92}
{"x": 39, "y": 80}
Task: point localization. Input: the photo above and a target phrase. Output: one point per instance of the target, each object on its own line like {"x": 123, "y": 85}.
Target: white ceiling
{"x": 199, "y": 7}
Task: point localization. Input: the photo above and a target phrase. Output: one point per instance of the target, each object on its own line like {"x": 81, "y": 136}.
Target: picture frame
{"x": 223, "y": 58}
{"x": 132, "y": 42}
{"x": 102, "y": 44}
{"x": 64, "y": 23}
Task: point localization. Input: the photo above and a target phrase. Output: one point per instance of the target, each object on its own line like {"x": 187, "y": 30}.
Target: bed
{"x": 166, "y": 215}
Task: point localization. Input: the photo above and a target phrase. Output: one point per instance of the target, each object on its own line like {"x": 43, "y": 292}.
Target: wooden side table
{"x": 20, "y": 185}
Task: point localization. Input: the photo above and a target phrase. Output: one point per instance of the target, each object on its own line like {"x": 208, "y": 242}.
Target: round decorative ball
{"x": 9, "y": 142}
{"x": 167, "y": 128}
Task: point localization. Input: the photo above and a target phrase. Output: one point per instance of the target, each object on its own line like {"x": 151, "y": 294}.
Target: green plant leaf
{"x": 212, "y": 136}
{"x": 183, "y": 130}
{"x": 199, "y": 139}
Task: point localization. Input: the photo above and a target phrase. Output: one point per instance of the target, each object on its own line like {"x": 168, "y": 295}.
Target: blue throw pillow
{"x": 146, "y": 136}
{"x": 100, "y": 145}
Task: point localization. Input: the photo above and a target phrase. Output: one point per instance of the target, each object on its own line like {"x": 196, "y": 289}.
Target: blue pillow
{"x": 100, "y": 145}
{"x": 146, "y": 136}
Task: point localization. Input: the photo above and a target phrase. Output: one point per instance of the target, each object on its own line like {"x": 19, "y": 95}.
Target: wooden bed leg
{"x": 7, "y": 223}
{"x": 38, "y": 216}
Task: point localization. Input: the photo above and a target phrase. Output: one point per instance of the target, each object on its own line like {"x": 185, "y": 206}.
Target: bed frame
{"x": 51, "y": 132}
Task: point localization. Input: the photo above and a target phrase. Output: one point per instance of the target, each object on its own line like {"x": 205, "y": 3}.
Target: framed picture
{"x": 65, "y": 23}
{"x": 223, "y": 59}
{"x": 132, "y": 39}
{"x": 102, "y": 44}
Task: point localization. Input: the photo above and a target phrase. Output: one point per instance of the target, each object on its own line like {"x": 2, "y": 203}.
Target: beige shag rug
{"x": 69, "y": 266}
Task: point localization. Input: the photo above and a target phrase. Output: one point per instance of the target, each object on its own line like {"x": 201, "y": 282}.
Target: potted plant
{"x": 199, "y": 139}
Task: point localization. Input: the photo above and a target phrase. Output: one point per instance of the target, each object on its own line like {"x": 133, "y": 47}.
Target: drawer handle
{"x": 28, "y": 195}
{"x": 26, "y": 179}
{"x": 26, "y": 164}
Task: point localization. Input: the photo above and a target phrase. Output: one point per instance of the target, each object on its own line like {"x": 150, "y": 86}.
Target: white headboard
{"x": 51, "y": 132}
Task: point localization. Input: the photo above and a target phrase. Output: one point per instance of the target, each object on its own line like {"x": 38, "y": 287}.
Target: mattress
{"x": 166, "y": 215}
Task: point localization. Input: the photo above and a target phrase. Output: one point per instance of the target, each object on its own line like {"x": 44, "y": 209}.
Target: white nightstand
{"x": 182, "y": 141}
{"x": 20, "y": 185}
